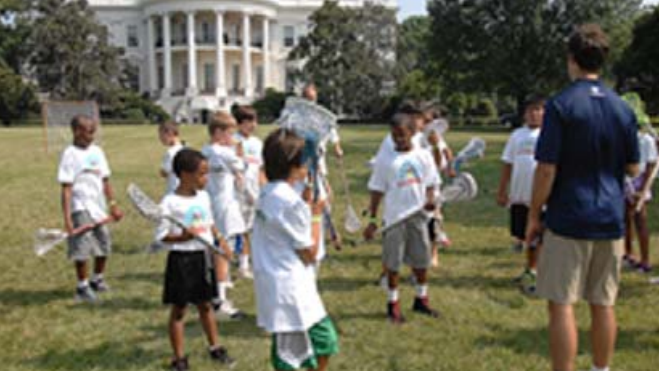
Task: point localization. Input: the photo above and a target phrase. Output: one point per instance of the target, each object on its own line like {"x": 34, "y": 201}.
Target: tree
{"x": 349, "y": 55}
{"x": 638, "y": 68}
{"x": 515, "y": 47}
{"x": 71, "y": 54}
{"x": 16, "y": 97}
{"x": 413, "y": 61}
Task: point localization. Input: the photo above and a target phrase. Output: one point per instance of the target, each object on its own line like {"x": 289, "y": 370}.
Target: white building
{"x": 190, "y": 71}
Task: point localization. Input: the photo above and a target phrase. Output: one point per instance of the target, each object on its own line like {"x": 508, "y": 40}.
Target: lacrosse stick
{"x": 420, "y": 212}
{"x": 352, "y": 222}
{"x": 151, "y": 211}
{"x": 462, "y": 188}
{"x": 474, "y": 149}
{"x": 46, "y": 239}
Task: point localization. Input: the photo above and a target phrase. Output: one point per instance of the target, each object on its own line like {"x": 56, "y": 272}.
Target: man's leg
{"x": 563, "y": 337}
{"x": 603, "y": 334}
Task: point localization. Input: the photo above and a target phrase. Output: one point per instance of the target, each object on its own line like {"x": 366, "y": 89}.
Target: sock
{"x": 222, "y": 291}
{"x": 595, "y": 368}
{"x": 82, "y": 284}
{"x": 422, "y": 290}
{"x": 244, "y": 262}
{"x": 97, "y": 277}
{"x": 392, "y": 295}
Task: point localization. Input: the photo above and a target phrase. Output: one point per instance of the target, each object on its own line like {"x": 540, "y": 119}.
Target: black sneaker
{"x": 85, "y": 294}
{"x": 221, "y": 355}
{"x": 179, "y": 364}
{"x": 99, "y": 285}
{"x": 422, "y": 306}
{"x": 394, "y": 314}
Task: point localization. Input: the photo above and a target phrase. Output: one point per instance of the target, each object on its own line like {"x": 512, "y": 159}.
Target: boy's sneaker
{"x": 383, "y": 282}
{"x": 227, "y": 309}
{"x": 99, "y": 285}
{"x": 629, "y": 262}
{"x": 643, "y": 268}
{"x": 246, "y": 274}
{"x": 421, "y": 305}
{"x": 517, "y": 247}
{"x": 526, "y": 276}
{"x": 85, "y": 294}
{"x": 394, "y": 314}
{"x": 179, "y": 364}
{"x": 221, "y": 355}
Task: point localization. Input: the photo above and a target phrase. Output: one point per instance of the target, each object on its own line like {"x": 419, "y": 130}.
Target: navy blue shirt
{"x": 590, "y": 134}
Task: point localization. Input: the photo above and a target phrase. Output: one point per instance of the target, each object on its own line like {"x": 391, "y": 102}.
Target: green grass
{"x": 487, "y": 324}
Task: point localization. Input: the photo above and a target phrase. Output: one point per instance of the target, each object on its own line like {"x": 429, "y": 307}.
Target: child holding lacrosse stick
{"x": 286, "y": 238}
{"x": 516, "y": 183}
{"x": 169, "y": 137}
{"x": 226, "y": 176}
{"x": 188, "y": 275}
{"x": 407, "y": 184}
{"x": 84, "y": 174}
{"x": 252, "y": 147}
{"x": 636, "y": 197}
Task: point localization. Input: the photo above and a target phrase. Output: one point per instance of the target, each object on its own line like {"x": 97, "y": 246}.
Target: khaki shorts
{"x": 570, "y": 269}
{"x": 91, "y": 244}
{"x": 408, "y": 242}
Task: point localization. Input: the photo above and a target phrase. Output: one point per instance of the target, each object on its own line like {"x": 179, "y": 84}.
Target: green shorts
{"x": 324, "y": 341}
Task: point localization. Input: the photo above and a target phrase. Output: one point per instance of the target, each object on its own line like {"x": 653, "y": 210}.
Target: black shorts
{"x": 188, "y": 279}
{"x": 518, "y": 218}
{"x": 433, "y": 229}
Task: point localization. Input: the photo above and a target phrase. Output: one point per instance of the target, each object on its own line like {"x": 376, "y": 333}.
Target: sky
{"x": 416, "y": 7}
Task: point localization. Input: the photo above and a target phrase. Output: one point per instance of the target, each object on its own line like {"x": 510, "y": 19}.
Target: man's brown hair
{"x": 589, "y": 46}
{"x": 282, "y": 150}
{"x": 221, "y": 121}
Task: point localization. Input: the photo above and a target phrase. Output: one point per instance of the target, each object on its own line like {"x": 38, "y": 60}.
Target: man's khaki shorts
{"x": 570, "y": 269}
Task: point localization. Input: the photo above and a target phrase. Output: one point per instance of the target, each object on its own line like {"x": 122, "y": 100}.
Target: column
{"x": 192, "y": 56}
{"x": 266, "y": 53}
{"x": 167, "y": 54}
{"x": 220, "y": 66}
{"x": 247, "y": 57}
{"x": 151, "y": 50}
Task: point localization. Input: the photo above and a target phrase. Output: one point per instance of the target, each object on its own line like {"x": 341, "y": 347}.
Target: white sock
{"x": 392, "y": 295}
{"x": 222, "y": 291}
{"x": 244, "y": 262}
{"x": 422, "y": 290}
{"x": 595, "y": 368}
{"x": 97, "y": 277}
{"x": 82, "y": 284}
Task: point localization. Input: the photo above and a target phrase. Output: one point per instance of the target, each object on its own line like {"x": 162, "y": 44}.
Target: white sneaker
{"x": 246, "y": 273}
{"x": 384, "y": 282}
{"x": 227, "y": 309}
{"x": 85, "y": 294}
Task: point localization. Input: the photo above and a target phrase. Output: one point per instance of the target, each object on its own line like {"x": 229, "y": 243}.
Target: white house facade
{"x": 187, "y": 68}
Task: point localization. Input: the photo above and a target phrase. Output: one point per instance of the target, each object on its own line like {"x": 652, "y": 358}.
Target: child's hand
{"x": 224, "y": 246}
{"x": 433, "y": 138}
{"x": 429, "y": 206}
{"x": 369, "y": 232}
{"x": 502, "y": 199}
{"x": 317, "y": 207}
{"x": 116, "y": 213}
{"x": 187, "y": 235}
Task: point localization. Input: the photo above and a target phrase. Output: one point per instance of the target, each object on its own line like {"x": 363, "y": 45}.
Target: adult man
{"x": 587, "y": 144}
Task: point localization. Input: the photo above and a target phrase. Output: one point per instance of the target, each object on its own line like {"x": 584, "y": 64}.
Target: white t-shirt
{"x": 287, "y": 297}
{"x": 224, "y": 164}
{"x": 253, "y": 157}
{"x": 520, "y": 153}
{"x": 167, "y": 167}
{"x": 85, "y": 169}
{"x": 404, "y": 181}
{"x": 194, "y": 212}
{"x": 387, "y": 148}
{"x": 648, "y": 150}
{"x": 333, "y": 138}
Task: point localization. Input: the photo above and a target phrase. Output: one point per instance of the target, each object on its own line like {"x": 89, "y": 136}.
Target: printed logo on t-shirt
{"x": 596, "y": 92}
{"x": 195, "y": 218}
{"x": 93, "y": 163}
{"x": 409, "y": 174}
{"x": 527, "y": 147}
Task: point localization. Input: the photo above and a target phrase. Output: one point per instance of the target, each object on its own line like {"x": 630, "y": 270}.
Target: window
{"x": 290, "y": 80}
{"x": 161, "y": 77}
{"x": 289, "y": 36}
{"x": 209, "y": 77}
{"x": 132, "y": 39}
{"x": 260, "y": 80}
{"x": 207, "y": 35}
{"x": 235, "y": 72}
{"x": 184, "y": 76}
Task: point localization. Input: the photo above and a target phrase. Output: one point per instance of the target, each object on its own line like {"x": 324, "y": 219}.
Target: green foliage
{"x": 349, "y": 56}
{"x": 16, "y": 97}
{"x": 638, "y": 68}
{"x": 269, "y": 107}
{"x": 130, "y": 105}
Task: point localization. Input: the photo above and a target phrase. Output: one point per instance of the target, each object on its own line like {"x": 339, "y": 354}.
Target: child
{"x": 226, "y": 168}
{"x": 516, "y": 183}
{"x": 285, "y": 244}
{"x": 635, "y": 186}
{"x": 169, "y": 137}
{"x": 252, "y": 147}
{"x": 407, "y": 183}
{"x": 84, "y": 174}
{"x": 387, "y": 148}
{"x": 187, "y": 278}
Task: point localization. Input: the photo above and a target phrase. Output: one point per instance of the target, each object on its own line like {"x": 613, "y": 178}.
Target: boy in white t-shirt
{"x": 188, "y": 277}
{"x": 407, "y": 183}
{"x": 516, "y": 183}
{"x": 252, "y": 148}
{"x": 84, "y": 174}
{"x": 168, "y": 134}
{"x": 226, "y": 174}
{"x": 285, "y": 246}
{"x": 387, "y": 148}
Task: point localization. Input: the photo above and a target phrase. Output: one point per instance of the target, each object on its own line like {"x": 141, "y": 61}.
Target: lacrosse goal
{"x": 57, "y": 115}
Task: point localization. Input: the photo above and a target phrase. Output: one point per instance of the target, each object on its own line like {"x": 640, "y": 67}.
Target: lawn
{"x": 486, "y": 326}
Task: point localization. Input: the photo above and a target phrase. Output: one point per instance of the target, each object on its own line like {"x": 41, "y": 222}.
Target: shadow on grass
{"x": 345, "y": 284}
{"x": 150, "y": 277}
{"x": 245, "y": 328}
{"x": 114, "y": 304}
{"x": 33, "y": 297}
{"x": 107, "y": 356}
{"x": 472, "y": 281}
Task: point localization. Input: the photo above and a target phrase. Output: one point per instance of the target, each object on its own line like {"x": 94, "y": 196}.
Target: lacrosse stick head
{"x": 144, "y": 204}
{"x": 46, "y": 239}
{"x": 462, "y": 188}
{"x": 474, "y": 149}
{"x": 352, "y": 222}
{"x": 439, "y": 127}
{"x": 294, "y": 347}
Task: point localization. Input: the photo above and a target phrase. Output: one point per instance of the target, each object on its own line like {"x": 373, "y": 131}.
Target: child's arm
{"x": 115, "y": 212}
{"x": 228, "y": 254}
{"x": 184, "y": 236}
{"x": 308, "y": 256}
{"x": 504, "y": 182}
{"x": 66, "y": 207}
{"x": 376, "y": 197}
{"x": 430, "y": 199}
{"x": 448, "y": 154}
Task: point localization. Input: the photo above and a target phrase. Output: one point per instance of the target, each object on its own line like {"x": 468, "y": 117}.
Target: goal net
{"x": 57, "y": 116}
